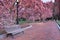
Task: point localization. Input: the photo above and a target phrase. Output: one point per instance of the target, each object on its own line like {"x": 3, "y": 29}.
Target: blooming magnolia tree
{"x": 28, "y": 9}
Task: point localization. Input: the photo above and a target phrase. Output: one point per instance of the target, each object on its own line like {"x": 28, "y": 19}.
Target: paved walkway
{"x": 39, "y": 31}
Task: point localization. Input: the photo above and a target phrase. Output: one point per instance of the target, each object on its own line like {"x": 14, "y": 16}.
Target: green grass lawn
{"x": 22, "y": 22}
{"x": 58, "y": 21}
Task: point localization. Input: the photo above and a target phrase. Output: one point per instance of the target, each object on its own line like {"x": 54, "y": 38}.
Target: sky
{"x": 47, "y": 1}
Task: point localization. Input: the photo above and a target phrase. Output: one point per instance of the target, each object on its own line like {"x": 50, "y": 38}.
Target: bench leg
{"x": 23, "y": 32}
{"x": 9, "y": 35}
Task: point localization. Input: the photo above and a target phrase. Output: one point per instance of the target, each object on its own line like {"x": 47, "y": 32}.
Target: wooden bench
{"x": 15, "y": 29}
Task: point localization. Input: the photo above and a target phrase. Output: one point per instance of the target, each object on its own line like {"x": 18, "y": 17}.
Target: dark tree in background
{"x": 57, "y": 9}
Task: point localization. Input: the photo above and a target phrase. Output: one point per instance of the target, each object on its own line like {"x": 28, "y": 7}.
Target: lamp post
{"x": 17, "y": 20}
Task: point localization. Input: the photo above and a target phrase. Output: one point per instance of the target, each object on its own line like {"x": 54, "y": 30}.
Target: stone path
{"x": 39, "y": 31}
